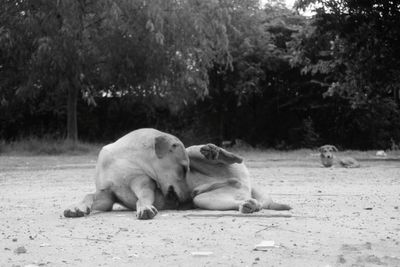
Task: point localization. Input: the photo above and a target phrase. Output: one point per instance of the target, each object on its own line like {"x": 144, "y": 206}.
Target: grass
{"x": 38, "y": 146}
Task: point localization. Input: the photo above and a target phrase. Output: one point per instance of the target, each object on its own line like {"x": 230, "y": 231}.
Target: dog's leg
{"x": 102, "y": 200}
{"x": 216, "y": 201}
{"x": 81, "y": 209}
{"x": 210, "y": 187}
{"x": 267, "y": 202}
{"x": 227, "y": 198}
{"x": 215, "y": 153}
{"x": 212, "y": 154}
{"x": 144, "y": 189}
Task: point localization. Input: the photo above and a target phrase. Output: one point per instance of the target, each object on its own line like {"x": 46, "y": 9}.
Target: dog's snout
{"x": 171, "y": 194}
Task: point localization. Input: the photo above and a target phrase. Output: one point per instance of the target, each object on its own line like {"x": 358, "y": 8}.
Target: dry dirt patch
{"x": 341, "y": 217}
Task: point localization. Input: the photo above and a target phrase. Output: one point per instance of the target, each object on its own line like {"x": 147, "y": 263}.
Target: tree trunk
{"x": 221, "y": 121}
{"x": 396, "y": 95}
{"x": 72, "y": 125}
{"x": 221, "y": 110}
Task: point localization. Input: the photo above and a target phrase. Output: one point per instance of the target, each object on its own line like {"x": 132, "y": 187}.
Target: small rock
{"x": 381, "y": 153}
{"x": 20, "y": 250}
{"x": 168, "y": 240}
{"x": 349, "y": 247}
{"x": 14, "y": 240}
{"x": 201, "y": 253}
{"x": 264, "y": 245}
{"x": 341, "y": 259}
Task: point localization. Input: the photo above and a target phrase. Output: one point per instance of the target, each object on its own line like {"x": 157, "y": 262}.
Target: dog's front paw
{"x": 210, "y": 151}
{"x": 146, "y": 212}
{"x": 249, "y": 206}
{"x": 76, "y": 212}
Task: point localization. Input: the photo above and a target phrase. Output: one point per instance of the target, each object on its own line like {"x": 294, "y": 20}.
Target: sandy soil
{"x": 341, "y": 217}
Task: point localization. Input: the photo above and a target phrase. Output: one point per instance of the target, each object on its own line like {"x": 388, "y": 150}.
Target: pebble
{"x": 20, "y": 250}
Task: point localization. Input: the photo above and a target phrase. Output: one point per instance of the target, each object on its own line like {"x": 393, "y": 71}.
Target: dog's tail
{"x": 267, "y": 203}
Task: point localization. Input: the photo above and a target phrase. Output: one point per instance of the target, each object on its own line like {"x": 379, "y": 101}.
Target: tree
{"x": 92, "y": 48}
{"x": 357, "y": 48}
{"x": 169, "y": 59}
{"x": 61, "y": 36}
{"x": 351, "y": 51}
{"x": 258, "y": 39}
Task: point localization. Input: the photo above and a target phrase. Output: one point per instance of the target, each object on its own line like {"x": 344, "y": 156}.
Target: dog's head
{"x": 172, "y": 166}
{"x": 326, "y": 154}
{"x": 326, "y": 151}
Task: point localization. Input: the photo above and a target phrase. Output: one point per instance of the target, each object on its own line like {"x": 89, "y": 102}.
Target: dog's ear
{"x": 330, "y": 147}
{"x": 161, "y": 146}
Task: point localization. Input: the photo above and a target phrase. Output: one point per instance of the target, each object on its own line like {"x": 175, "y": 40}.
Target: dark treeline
{"x": 206, "y": 71}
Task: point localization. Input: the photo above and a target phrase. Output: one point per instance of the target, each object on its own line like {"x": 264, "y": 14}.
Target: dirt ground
{"x": 340, "y": 217}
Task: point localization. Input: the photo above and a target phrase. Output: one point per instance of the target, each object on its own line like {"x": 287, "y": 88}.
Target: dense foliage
{"x": 206, "y": 71}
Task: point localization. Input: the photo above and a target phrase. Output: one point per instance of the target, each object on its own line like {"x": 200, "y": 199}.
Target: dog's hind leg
{"x": 216, "y": 200}
{"x": 213, "y": 186}
{"x": 102, "y": 200}
{"x": 267, "y": 202}
{"x": 227, "y": 198}
{"x": 213, "y": 152}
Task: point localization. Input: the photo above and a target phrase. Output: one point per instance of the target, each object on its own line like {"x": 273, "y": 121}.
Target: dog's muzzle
{"x": 171, "y": 194}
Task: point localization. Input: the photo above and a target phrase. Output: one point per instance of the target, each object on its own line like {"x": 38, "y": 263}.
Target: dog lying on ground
{"x": 148, "y": 170}
{"x": 328, "y": 158}
{"x": 219, "y": 180}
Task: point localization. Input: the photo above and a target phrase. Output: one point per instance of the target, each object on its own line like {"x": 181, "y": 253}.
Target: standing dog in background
{"x": 327, "y": 158}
